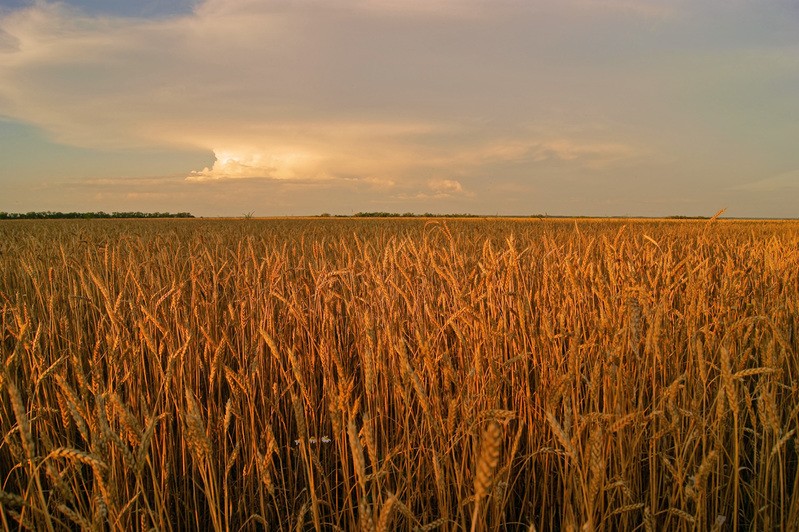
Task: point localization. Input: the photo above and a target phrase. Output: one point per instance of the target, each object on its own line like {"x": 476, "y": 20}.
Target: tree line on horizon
{"x": 464, "y": 215}
{"x": 43, "y": 215}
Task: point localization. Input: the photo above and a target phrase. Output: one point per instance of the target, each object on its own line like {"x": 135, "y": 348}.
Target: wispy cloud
{"x": 661, "y": 9}
{"x": 786, "y": 181}
{"x": 316, "y": 103}
{"x": 434, "y": 189}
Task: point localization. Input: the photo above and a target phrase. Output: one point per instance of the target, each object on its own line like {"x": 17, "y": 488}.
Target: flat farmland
{"x": 399, "y": 374}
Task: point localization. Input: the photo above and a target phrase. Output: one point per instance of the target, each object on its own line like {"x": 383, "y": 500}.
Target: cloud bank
{"x": 279, "y": 90}
{"x": 430, "y": 98}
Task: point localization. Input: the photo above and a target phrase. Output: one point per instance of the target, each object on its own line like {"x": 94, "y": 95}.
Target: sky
{"x": 302, "y": 107}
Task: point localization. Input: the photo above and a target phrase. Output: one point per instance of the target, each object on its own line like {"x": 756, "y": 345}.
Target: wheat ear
{"x": 489, "y": 457}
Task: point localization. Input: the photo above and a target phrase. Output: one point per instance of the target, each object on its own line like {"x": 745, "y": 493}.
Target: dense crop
{"x": 399, "y": 374}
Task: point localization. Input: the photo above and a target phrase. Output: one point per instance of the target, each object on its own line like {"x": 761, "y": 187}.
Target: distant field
{"x": 399, "y": 374}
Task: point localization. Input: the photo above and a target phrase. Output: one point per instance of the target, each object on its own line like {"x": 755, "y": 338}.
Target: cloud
{"x": 435, "y": 189}
{"x": 240, "y": 72}
{"x": 646, "y": 9}
{"x": 445, "y": 186}
{"x": 251, "y": 163}
{"x": 543, "y": 148}
{"x": 380, "y": 94}
{"x": 8, "y": 43}
{"x": 785, "y": 181}
{"x": 593, "y": 154}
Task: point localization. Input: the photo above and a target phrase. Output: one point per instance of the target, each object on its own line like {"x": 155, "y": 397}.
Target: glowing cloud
{"x": 445, "y": 186}
{"x": 250, "y": 163}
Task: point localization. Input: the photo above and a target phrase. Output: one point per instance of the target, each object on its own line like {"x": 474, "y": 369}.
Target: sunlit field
{"x": 403, "y": 374}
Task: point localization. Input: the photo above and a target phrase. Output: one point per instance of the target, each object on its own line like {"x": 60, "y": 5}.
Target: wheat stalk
{"x": 28, "y": 443}
{"x": 486, "y": 464}
{"x": 384, "y": 521}
{"x": 77, "y": 455}
{"x": 196, "y": 438}
{"x": 357, "y": 453}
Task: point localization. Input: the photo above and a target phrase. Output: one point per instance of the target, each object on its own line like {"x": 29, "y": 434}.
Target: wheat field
{"x": 342, "y": 374}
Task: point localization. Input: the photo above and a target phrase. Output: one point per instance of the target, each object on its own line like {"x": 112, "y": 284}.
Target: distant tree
{"x": 51, "y": 215}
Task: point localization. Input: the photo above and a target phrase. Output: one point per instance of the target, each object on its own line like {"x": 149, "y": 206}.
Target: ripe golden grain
{"x": 384, "y": 522}
{"x": 28, "y": 444}
{"x": 656, "y": 354}
{"x": 356, "y": 449}
{"x": 11, "y": 499}
{"x": 77, "y": 455}
{"x": 74, "y": 516}
{"x": 560, "y": 434}
{"x": 196, "y": 438}
{"x": 596, "y": 443}
{"x": 489, "y": 458}
{"x": 727, "y": 380}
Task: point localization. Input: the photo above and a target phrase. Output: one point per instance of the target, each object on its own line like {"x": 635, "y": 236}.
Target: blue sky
{"x": 121, "y": 8}
{"x": 222, "y": 107}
